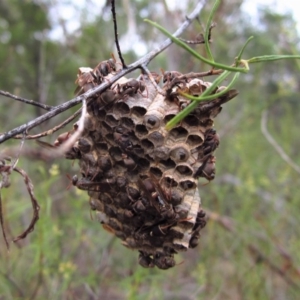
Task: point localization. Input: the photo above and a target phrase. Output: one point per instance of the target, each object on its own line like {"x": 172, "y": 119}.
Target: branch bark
{"x": 145, "y": 60}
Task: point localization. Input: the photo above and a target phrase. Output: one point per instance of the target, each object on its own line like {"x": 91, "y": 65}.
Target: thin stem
{"x": 31, "y": 102}
{"x": 267, "y": 58}
{"x": 66, "y": 146}
{"x": 52, "y": 130}
{"x": 194, "y": 104}
{"x": 275, "y": 145}
{"x": 243, "y": 49}
{"x": 208, "y": 29}
{"x": 194, "y": 53}
{"x": 113, "y": 11}
{"x": 213, "y": 96}
{"x": 191, "y": 75}
{"x": 148, "y": 73}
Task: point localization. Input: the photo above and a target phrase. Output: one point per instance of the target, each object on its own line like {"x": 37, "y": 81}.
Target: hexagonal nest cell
{"x": 142, "y": 178}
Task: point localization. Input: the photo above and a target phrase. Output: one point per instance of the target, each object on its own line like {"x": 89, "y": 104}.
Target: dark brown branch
{"x": 35, "y": 205}
{"x": 5, "y": 172}
{"x": 2, "y": 223}
{"x": 145, "y": 60}
{"x": 113, "y": 11}
{"x": 31, "y": 102}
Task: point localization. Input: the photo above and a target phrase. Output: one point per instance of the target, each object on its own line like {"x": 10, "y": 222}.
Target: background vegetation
{"x": 250, "y": 246}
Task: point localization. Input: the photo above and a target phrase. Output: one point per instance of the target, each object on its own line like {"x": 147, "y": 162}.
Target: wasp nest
{"x": 142, "y": 178}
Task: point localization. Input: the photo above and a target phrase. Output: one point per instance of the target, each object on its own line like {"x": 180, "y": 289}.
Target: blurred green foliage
{"x": 250, "y": 246}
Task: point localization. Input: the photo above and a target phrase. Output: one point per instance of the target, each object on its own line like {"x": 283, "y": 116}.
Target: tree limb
{"x": 31, "y": 102}
{"x": 145, "y": 60}
{"x": 52, "y": 130}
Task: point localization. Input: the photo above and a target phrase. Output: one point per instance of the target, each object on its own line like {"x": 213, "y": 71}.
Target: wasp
{"x": 211, "y": 141}
{"x": 85, "y": 80}
{"x": 200, "y": 221}
{"x": 169, "y": 76}
{"x": 107, "y": 97}
{"x": 131, "y": 87}
{"x": 155, "y": 195}
{"x": 103, "y": 69}
{"x": 145, "y": 260}
{"x": 174, "y": 82}
{"x": 83, "y": 183}
{"x": 88, "y": 78}
{"x": 164, "y": 262}
{"x": 193, "y": 243}
{"x": 207, "y": 169}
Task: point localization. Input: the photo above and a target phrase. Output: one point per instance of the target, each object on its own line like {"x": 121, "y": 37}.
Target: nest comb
{"x": 140, "y": 177}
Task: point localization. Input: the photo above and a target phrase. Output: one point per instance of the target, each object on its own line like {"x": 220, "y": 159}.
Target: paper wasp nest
{"x": 142, "y": 178}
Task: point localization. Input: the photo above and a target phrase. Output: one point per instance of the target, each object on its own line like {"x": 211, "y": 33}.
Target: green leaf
{"x": 209, "y": 22}
{"x": 213, "y": 96}
{"x": 267, "y": 58}
{"x": 194, "y": 53}
{"x": 194, "y": 104}
{"x": 243, "y": 49}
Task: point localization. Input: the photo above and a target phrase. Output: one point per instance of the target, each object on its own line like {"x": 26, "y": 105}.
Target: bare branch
{"x": 191, "y": 75}
{"x": 66, "y": 145}
{"x": 5, "y": 172}
{"x": 2, "y": 223}
{"x": 19, "y": 152}
{"x": 271, "y": 140}
{"x": 52, "y": 130}
{"x": 31, "y": 102}
{"x": 63, "y": 146}
{"x": 113, "y": 11}
{"x": 35, "y": 205}
{"x": 229, "y": 225}
{"x": 150, "y": 76}
{"x": 145, "y": 60}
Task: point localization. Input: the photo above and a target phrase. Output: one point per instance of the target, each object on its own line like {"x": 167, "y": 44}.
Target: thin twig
{"x": 31, "y": 102}
{"x": 56, "y": 151}
{"x": 289, "y": 264}
{"x": 17, "y": 288}
{"x": 145, "y": 60}
{"x": 157, "y": 87}
{"x": 66, "y": 145}
{"x": 5, "y": 172}
{"x": 200, "y": 39}
{"x": 228, "y": 224}
{"x": 259, "y": 257}
{"x": 52, "y": 130}
{"x": 35, "y": 205}
{"x": 13, "y": 165}
{"x": 113, "y": 11}
{"x": 191, "y": 75}
{"x": 2, "y": 224}
{"x": 271, "y": 140}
